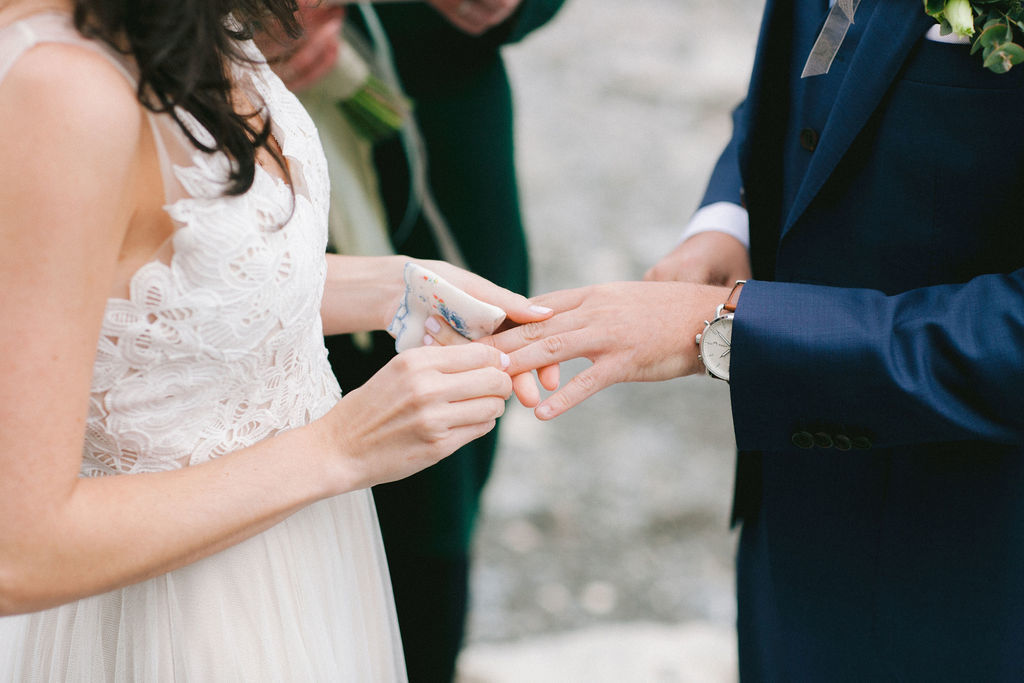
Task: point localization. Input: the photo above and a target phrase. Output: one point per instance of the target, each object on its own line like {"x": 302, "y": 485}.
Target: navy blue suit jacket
{"x": 886, "y": 325}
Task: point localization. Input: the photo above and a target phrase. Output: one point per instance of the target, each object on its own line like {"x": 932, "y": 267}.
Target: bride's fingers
{"x": 460, "y": 436}
{"x": 517, "y": 307}
{"x": 440, "y": 332}
{"x": 470, "y": 384}
{"x": 451, "y": 359}
{"x": 475, "y": 411}
{"x": 523, "y": 385}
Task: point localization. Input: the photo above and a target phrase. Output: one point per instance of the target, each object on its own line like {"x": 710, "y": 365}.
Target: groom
{"x": 876, "y": 365}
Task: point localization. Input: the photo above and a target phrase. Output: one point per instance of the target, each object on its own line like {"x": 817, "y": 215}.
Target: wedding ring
{"x": 463, "y": 8}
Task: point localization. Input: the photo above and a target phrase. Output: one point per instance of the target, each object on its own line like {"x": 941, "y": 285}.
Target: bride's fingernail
{"x": 433, "y": 325}
{"x": 505, "y": 361}
{"x": 427, "y": 340}
{"x": 544, "y": 411}
{"x": 543, "y": 310}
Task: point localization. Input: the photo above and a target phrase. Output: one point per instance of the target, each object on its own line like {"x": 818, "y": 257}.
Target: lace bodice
{"x": 219, "y": 344}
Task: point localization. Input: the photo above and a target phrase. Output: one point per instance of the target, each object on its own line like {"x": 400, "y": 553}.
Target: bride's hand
{"x": 523, "y": 385}
{"x": 519, "y": 311}
{"x": 517, "y": 307}
{"x": 418, "y": 409}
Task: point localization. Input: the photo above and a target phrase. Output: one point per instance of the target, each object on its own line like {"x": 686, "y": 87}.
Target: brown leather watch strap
{"x": 734, "y": 297}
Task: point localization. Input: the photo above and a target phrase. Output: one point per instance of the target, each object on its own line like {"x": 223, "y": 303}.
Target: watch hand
{"x": 722, "y": 336}
{"x": 725, "y": 353}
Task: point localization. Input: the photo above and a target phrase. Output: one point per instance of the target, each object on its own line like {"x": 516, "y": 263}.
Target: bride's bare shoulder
{"x": 70, "y": 131}
{"x": 61, "y": 94}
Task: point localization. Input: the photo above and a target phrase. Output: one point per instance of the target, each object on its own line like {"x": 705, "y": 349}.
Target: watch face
{"x": 715, "y": 345}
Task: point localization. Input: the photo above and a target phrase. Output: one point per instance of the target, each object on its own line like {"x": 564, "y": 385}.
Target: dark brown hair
{"x": 183, "y": 48}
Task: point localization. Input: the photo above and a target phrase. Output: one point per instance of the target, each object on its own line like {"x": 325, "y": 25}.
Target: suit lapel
{"x": 893, "y": 28}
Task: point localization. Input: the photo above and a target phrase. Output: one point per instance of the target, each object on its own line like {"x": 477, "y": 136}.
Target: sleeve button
{"x": 803, "y": 440}
{"x": 822, "y": 440}
{"x": 861, "y": 442}
{"x": 842, "y": 442}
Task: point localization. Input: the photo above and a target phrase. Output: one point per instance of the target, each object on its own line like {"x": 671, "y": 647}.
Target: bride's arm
{"x": 71, "y": 151}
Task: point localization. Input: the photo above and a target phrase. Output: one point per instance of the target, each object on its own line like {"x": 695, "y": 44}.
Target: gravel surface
{"x": 615, "y": 515}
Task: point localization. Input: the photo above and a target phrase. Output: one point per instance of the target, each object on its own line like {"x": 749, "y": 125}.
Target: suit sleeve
{"x": 726, "y": 184}
{"x": 936, "y": 364}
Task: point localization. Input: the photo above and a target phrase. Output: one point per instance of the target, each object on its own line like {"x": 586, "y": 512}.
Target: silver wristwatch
{"x": 714, "y": 344}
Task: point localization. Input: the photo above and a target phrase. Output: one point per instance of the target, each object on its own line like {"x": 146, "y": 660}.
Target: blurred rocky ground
{"x": 604, "y": 551}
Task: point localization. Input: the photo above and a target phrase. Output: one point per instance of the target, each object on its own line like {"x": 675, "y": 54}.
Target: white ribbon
{"x": 838, "y": 22}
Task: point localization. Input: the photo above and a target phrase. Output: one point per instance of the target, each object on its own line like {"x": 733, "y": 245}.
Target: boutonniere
{"x": 989, "y": 24}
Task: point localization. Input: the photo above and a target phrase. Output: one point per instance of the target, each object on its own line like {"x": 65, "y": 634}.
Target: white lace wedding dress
{"x": 218, "y": 346}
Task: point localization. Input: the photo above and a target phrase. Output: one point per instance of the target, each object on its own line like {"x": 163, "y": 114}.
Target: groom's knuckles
{"x": 585, "y": 383}
{"x": 553, "y": 346}
{"x": 531, "y": 332}
{"x": 578, "y": 389}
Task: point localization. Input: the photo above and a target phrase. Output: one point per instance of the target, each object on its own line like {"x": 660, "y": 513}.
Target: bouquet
{"x": 991, "y": 25}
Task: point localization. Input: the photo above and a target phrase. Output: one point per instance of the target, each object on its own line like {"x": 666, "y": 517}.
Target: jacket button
{"x": 861, "y": 442}
{"x": 809, "y": 139}
{"x": 842, "y": 442}
{"x": 803, "y": 440}
{"x": 822, "y": 440}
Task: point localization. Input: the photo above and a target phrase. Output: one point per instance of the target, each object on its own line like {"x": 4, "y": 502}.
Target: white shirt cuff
{"x": 732, "y": 219}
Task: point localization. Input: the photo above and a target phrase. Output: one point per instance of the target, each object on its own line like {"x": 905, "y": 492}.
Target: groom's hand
{"x": 630, "y": 331}
{"x": 711, "y": 258}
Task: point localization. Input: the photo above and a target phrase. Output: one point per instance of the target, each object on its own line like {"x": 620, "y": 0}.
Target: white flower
{"x": 960, "y": 16}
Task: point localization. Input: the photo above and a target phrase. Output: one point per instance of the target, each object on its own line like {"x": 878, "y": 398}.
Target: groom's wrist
{"x": 714, "y": 342}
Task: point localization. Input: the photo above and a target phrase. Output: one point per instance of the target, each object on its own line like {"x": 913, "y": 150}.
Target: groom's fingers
{"x": 578, "y": 389}
{"x": 549, "y": 377}
{"x": 549, "y": 348}
{"x": 526, "y": 389}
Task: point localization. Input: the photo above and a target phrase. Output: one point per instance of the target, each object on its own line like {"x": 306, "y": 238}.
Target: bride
{"x": 183, "y": 495}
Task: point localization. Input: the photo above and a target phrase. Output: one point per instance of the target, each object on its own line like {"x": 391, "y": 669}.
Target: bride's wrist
{"x": 362, "y": 293}
{"x": 338, "y": 471}
{"x": 392, "y": 288}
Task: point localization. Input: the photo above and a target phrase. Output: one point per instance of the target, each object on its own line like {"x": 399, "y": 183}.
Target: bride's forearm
{"x": 85, "y": 542}
{"x": 361, "y": 293}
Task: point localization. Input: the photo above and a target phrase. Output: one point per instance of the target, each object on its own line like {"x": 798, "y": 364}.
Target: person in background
{"x": 447, "y": 56}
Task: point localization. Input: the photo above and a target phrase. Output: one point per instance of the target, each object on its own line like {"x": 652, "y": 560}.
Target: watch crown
{"x": 699, "y": 335}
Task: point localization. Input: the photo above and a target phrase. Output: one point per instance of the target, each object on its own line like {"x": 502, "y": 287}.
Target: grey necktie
{"x": 838, "y": 22}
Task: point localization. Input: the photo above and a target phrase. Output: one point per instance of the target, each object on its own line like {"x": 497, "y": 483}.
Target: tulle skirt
{"x": 307, "y": 600}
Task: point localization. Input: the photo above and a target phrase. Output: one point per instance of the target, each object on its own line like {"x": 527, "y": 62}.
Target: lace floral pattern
{"x": 222, "y": 346}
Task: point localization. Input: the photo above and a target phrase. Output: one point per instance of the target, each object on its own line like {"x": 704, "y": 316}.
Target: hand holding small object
{"x": 436, "y": 311}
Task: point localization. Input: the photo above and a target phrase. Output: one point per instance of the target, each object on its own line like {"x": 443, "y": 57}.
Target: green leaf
{"x": 934, "y": 7}
{"x": 995, "y": 32}
{"x": 1004, "y": 58}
